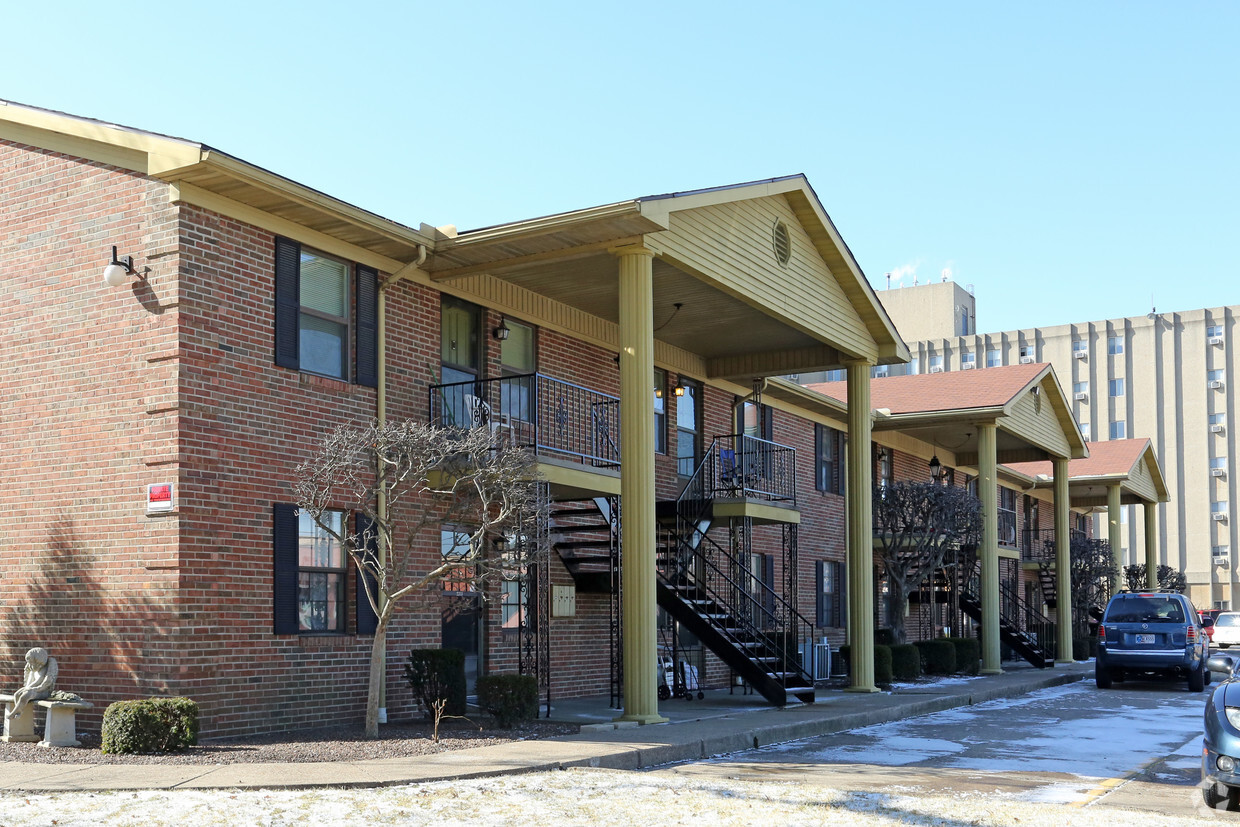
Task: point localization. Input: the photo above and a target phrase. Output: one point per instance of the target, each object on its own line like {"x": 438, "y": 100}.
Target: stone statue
{"x": 40, "y": 679}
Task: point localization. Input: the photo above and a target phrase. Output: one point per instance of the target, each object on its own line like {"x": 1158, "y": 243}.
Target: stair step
{"x": 576, "y": 512}
{"x": 564, "y": 529}
{"x": 571, "y": 544}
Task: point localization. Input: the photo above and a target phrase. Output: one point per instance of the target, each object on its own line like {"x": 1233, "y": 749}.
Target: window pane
{"x": 517, "y": 351}
{"x": 686, "y": 409}
{"x": 316, "y": 547}
{"x": 324, "y": 285}
{"x": 660, "y": 411}
{"x": 1117, "y": 387}
{"x": 323, "y": 346}
{"x": 320, "y": 600}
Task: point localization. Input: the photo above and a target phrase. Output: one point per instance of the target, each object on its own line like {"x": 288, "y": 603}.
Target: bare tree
{"x": 916, "y": 524}
{"x": 1092, "y": 568}
{"x": 1168, "y": 578}
{"x": 410, "y": 480}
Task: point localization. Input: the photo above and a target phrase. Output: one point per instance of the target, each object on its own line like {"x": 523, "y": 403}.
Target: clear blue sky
{"x": 1069, "y": 160}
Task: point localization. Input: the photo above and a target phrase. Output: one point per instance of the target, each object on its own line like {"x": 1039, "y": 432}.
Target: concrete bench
{"x": 59, "y": 730}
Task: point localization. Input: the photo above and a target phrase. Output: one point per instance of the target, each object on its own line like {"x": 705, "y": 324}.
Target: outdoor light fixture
{"x": 501, "y": 544}
{"x": 658, "y": 393}
{"x": 936, "y": 468}
{"x": 500, "y": 332}
{"x": 680, "y": 388}
{"x": 118, "y": 270}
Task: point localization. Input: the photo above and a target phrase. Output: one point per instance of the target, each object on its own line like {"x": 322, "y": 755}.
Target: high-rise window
{"x": 1115, "y": 345}
{"x": 1214, "y": 331}
{"x": 1084, "y": 426}
{"x": 936, "y": 364}
{"x": 1080, "y": 387}
{"x": 992, "y": 358}
{"x": 1080, "y": 346}
{"x": 1116, "y": 387}
{"x": 1119, "y": 430}
{"x": 968, "y": 360}
{"x": 1215, "y": 375}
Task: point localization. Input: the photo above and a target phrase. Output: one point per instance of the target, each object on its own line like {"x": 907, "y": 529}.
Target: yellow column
{"x": 988, "y": 492}
{"x": 1114, "y": 537}
{"x": 639, "y": 611}
{"x": 1063, "y": 564}
{"x": 1151, "y": 545}
{"x": 860, "y": 530}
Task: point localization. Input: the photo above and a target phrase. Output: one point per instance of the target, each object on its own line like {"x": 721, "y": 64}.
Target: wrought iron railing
{"x": 1019, "y": 616}
{"x": 1037, "y": 545}
{"x": 746, "y": 466}
{"x": 548, "y": 416}
{"x": 758, "y": 619}
{"x": 755, "y": 612}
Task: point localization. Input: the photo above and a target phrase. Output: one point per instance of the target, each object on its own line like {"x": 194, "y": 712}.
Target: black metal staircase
{"x": 713, "y": 593}
{"x": 1025, "y": 631}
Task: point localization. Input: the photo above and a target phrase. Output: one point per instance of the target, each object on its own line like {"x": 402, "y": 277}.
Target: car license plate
{"x": 1145, "y": 639}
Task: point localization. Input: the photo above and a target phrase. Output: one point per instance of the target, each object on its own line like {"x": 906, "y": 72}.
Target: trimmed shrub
{"x": 882, "y": 664}
{"x": 1080, "y": 648}
{"x": 938, "y": 656}
{"x": 968, "y": 654}
{"x": 905, "y": 662}
{"x": 149, "y": 726}
{"x": 510, "y": 699}
{"x": 437, "y": 674}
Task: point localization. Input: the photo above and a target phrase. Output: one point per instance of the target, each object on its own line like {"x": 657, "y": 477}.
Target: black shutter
{"x": 841, "y": 591}
{"x": 820, "y": 604}
{"x": 284, "y": 566}
{"x": 367, "y": 326}
{"x": 367, "y": 620}
{"x": 288, "y": 303}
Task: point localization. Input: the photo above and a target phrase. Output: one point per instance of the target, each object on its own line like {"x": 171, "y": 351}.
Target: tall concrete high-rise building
{"x": 1170, "y": 377}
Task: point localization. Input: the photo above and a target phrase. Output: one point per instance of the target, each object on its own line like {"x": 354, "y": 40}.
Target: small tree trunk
{"x": 895, "y": 615}
{"x": 376, "y": 678}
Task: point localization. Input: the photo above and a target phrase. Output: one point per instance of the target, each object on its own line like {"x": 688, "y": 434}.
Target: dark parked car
{"x": 1152, "y": 633}
{"x": 1220, "y": 760}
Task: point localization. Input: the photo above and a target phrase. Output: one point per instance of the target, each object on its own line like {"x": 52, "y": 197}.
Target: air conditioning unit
{"x": 815, "y": 658}
{"x": 1218, "y": 472}
{"x": 968, "y": 366}
{"x": 1216, "y": 384}
{"x": 1214, "y": 340}
{"x": 1222, "y": 561}
{"x": 1081, "y": 395}
{"x": 1216, "y": 429}
{"x": 1079, "y": 354}
{"x": 936, "y": 369}
{"x": 1219, "y": 517}
{"x": 1025, "y": 360}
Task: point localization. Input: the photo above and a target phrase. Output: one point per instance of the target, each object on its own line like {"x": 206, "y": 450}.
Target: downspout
{"x": 381, "y": 416}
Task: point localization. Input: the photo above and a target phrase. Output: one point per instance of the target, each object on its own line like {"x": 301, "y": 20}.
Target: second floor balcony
{"x": 551, "y": 417}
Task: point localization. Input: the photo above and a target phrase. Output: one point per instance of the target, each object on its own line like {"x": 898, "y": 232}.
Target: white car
{"x": 1226, "y": 630}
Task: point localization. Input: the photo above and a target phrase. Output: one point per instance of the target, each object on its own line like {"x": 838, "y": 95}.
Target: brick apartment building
{"x": 152, "y": 427}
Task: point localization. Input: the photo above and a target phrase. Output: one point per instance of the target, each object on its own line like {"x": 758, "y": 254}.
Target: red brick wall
{"x": 173, "y": 380}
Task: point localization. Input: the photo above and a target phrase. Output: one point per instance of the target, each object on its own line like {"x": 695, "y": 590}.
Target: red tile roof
{"x": 952, "y": 391}
{"x": 1110, "y": 458}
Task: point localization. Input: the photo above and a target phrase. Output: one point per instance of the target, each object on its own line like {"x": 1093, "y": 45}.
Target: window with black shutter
{"x": 367, "y": 620}
{"x": 309, "y": 570}
{"x": 313, "y": 315}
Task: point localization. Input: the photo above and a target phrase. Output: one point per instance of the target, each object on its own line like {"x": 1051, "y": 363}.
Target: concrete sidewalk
{"x": 720, "y": 724}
